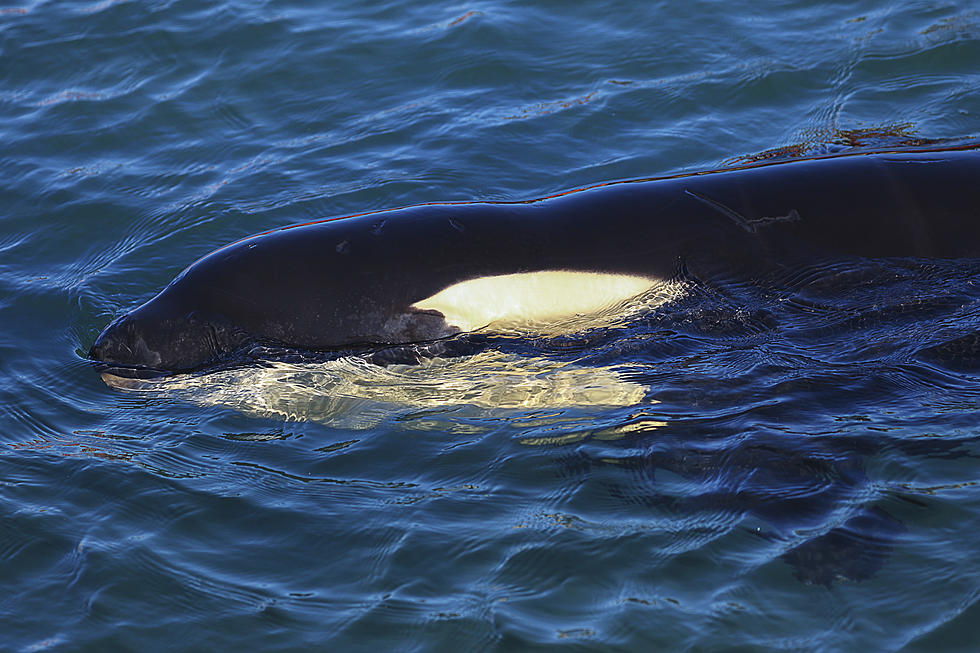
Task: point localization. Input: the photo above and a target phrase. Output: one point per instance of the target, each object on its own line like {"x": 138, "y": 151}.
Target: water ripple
{"x": 736, "y": 468}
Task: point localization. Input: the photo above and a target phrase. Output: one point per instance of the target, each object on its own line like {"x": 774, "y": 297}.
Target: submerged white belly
{"x": 352, "y": 393}
{"x": 533, "y": 297}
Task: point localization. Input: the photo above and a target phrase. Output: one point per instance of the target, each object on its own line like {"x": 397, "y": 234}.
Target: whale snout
{"x": 123, "y": 343}
{"x": 162, "y": 339}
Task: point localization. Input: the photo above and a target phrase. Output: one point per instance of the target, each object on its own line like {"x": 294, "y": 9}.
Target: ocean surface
{"x": 737, "y": 469}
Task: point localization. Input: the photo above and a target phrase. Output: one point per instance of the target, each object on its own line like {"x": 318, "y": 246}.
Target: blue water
{"x": 786, "y": 467}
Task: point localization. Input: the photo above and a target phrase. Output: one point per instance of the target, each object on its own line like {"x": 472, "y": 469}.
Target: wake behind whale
{"x": 427, "y": 272}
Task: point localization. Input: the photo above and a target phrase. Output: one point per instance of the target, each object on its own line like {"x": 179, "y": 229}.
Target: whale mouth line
{"x": 123, "y": 370}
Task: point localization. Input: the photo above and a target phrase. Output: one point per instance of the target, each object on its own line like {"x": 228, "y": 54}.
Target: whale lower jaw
{"x": 546, "y": 301}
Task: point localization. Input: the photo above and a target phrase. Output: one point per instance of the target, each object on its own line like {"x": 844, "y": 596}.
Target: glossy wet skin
{"x": 365, "y": 280}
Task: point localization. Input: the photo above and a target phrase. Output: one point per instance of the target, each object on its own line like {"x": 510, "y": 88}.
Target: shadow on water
{"x": 785, "y": 393}
{"x": 772, "y": 401}
{"x": 810, "y": 503}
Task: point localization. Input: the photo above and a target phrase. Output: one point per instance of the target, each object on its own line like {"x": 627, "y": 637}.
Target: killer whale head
{"x": 176, "y": 332}
{"x": 159, "y": 338}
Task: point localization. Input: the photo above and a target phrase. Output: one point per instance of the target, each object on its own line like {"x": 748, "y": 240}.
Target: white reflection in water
{"x": 351, "y": 392}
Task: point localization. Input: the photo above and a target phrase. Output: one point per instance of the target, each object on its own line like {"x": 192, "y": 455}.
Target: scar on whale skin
{"x": 751, "y": 225}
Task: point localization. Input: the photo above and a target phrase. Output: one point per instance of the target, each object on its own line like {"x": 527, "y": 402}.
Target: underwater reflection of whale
{"x": 424, "y": 272}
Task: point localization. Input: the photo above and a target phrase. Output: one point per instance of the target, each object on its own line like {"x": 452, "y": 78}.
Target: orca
{"x": 426, "y": 272}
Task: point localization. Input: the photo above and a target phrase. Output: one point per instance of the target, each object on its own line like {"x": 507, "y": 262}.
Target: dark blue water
{"x": 750, "y": 466}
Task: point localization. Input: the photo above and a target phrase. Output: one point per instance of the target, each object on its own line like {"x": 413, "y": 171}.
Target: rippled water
{"x": 786, "y": 463}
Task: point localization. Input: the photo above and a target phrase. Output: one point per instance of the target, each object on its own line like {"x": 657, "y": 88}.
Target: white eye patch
{"x": 533, "y": 297}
